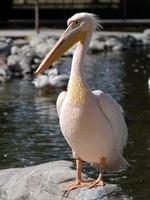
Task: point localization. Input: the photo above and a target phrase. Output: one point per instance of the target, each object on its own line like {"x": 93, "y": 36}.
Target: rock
{"x": 52, "y": 72}
{"x": 15, "y": 50}
{"x": 96, "y": 46}
{"x": 59, "y": 80}
{"x": 111, "y": 42}
{"x": 118, "y": 47}
{"x": 51, "y": 41}
{"x": 36, "y": 40}
{"x": 6, "y": 40}
{"x": 5, "y": 74}
{"x": 37, "y": 60}
{"x": 145, "y": 42}
{"x": 41, "y": 81}
{"x": 148, "y": 84}
{"x": 47, "y": 182}
{"x": 19, "y": 65}
{"x": 20, "y": 42}
{"x": 146, "y": 33}
{"x": 128, "y": 41}
{"x": 24, "y": 63}
{"x": 52, "y": 78}
{"x": 42, "y": 49}
{"x": 4, "y": 49}
{"x": 28, "y": 52}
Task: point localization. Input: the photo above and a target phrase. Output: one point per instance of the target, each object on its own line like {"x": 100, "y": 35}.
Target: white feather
{"x": 114, "y": 113}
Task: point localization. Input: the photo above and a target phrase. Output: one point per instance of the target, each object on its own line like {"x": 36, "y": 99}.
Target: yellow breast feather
{"x": 77, "y": 90}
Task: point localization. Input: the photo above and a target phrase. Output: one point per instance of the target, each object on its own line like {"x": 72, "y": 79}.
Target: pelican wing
{"x": 114, "y": 113}
{"x": 60, "y": 100}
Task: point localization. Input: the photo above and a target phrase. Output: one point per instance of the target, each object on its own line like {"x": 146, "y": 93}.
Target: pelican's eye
{"x": 76, "y": 21}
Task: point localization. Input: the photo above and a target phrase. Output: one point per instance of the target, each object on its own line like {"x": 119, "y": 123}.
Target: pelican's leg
{"x": 99, "y": 181}
{"x": 78, "y": 183}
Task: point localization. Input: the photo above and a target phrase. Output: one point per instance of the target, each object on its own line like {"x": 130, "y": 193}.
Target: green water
{"x": 29, "y": 126}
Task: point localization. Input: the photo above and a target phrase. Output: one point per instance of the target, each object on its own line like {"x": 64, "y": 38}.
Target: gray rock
{"x": 28, "y": 52}
{"x": 36, "y": 40}
{"x": 47, "y": 182}
{"x": 41, "y": 81}
{"x": 59, "y": 80}
{"x": 37, "y": 60}
{"x": 51, "y": 41}
{"x": 42, "y": 49}
{"x": 112, "y": 41}
{"x": 15, "y": 50}
{"x": 53, "y": 72}
{"x": 146, "y": 33}
{"x": 6, "y": 40}
{"x": 19, "y": 65}
{"x": 128, "y": 41}
{"x": 145, "y": 42}
{"x": 96, "y": 46}
{"x": 51, "y": 78}
{"x": 24, "y": 63}
{"x": 12, "y": 60}
{"x": 118, "y": 47}
{"x": 20, "y": 42}
{"x": 4, "y": 48}
{"x": 5, "y": 74}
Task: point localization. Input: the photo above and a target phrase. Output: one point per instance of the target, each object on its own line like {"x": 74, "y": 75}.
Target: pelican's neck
{"x": 78, "y": 87}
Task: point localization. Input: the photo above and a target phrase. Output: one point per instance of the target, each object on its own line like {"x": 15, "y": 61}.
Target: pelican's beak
{"x": 68, "y": 39}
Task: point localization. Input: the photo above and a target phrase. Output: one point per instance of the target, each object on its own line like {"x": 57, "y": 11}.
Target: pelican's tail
{"x": 117, "y": 164}
{"x": 114, "y": 164}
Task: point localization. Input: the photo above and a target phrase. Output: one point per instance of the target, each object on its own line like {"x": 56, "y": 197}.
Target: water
{"x": 29, "y": 125}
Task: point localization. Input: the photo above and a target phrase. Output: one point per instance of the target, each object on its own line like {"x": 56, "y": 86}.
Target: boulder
{"x": 7, "y": 40}
{"x": 59, "y": 80}
{"x": 146, "y": 33}
{"x": 20, "y": 42}
{"x": 111, "y": 42}
{"x": 145, "y": 42}
{"x": 118, "y": 47}
{"x": 128, "y": 41}
{"x": 4, "y": 48}
{"x": 47, "y": 182}
{"x": 42, "y": 49}
{"x": 19, "y": 65}
{"x": 15, "y": 50}
{"x": 35, "y": 40}
{"x": 52, "y": 78}
{"x": 5, "y": 74}
{"x": 51, "y": 41}
{"x": 41, "y": 81}
{"x": 96, "y": 46}
{"x": 28, "y": 52}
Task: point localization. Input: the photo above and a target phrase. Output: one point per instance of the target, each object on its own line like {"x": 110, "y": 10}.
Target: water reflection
{"x": 29, "y": 127}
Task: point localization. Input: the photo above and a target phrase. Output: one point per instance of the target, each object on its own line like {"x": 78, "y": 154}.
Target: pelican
{"x": 92, "y": 122}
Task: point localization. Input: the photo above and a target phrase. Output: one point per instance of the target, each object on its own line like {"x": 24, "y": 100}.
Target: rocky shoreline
{"x": 47, "y": 182}
{"x": 19, "y": 56}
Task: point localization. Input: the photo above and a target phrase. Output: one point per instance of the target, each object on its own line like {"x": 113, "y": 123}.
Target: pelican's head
{"x": 79, "y": 25}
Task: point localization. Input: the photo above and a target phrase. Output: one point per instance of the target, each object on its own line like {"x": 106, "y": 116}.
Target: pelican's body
{"x": 88, "y": 130}
{"x": 91, "y": 122}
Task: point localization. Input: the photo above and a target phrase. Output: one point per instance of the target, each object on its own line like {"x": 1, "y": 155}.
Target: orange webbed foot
{"x": 96, "y": 183}
{"x": 77, "y": 184}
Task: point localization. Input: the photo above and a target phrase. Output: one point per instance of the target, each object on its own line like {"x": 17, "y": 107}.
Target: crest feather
{"x": 98, "y": 22}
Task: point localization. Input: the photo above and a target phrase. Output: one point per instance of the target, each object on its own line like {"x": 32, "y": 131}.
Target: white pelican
{"x": 91, "y": 121}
